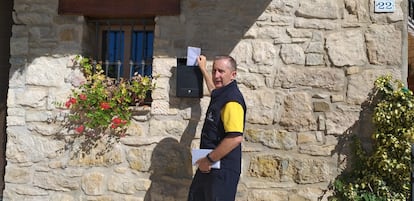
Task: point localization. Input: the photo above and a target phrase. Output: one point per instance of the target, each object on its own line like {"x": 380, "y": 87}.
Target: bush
{"x": 384, "y": 173}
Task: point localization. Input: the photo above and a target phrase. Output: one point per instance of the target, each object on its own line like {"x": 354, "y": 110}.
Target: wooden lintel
{"x": 119, "y": 8}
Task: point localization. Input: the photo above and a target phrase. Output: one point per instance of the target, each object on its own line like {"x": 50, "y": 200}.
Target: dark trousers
{"x": 218, "y": 185}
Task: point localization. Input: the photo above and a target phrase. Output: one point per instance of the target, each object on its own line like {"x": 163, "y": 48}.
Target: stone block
{"x": 319, "y": 9}
{"x": 315, "y": 47}
{"x": 137, "y": 159}
{"x": 306, "y": 138}
{"x": 384, "y": 45}
{"x": 264, "y": 52}
{"x": 346, "y": 48}
{"x": 49, "y": 72}
{"x": 267, "y": 166}
{"x": 317, "y": 149}
{"x": 292, "y": 54}
{"x": 311, "y": 170}
{"x": 314, "y": 59}
{"x": 49, "y": 180}
{"x": 353, "y": 70}
{"x": 272, "y": 138}
{"x": 330, "y": 79}
{"x": 361, "y": 85}
{"x": 268, "y": 195}
{"x": 321, "y": 106}
{"x": 297, "y": 113}
{"x": 339, "y": 122}
{"x": 321, "y": 123}
{"x": 337, "y": 98}
{"x": 317, "y": 24}
{"x": 19, "y": 46}
{"x": 33, "y": 18}
{"x": 102, "y": 154}
{"x": 32, "y": 97}
{"x": 124, "y": 184}
{"x": 17, "y": 175}
{"x": 93, "y": 183}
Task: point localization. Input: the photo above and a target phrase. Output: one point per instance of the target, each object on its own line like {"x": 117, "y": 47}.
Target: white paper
{"x": 201, "y": 153}
{"x": 192, "y": 55}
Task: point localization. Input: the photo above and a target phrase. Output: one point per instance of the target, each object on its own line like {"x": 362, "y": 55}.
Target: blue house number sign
{"x": 384, "y": 6}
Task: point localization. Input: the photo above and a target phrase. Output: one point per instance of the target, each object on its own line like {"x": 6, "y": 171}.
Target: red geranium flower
{"x": 116, "y": 122}
{"x": 80, "y": 129}
{"x": 70, "y": 102}
{"x": 105, "y": 105}
{"x": 82, "y": 97}
{"x": 67, "y": 104}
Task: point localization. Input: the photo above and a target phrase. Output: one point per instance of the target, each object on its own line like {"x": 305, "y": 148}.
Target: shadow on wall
{"x": 363, "y": 129}
{"x": 171, "y": 159}
{"x": 215, "y": 26}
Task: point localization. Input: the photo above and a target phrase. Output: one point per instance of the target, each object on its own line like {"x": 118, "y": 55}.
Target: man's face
{"x": 222, "y": 73}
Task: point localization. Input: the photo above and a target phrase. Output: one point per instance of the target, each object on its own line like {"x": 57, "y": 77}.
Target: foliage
{"x": 101, "y": 105}
{"x": 383, "y": 174}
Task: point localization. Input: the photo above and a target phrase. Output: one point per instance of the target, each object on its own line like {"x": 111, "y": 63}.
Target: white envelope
{"x": 200, "y": 153}
{"x": 192, "y": 55}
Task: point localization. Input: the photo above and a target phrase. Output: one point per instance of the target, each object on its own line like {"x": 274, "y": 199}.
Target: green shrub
{"x": 383, "y": 173}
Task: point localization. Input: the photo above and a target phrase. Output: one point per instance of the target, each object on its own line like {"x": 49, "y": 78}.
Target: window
{"x": 125, "y": 47}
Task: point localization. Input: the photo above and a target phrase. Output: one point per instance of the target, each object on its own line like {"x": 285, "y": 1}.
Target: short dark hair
{"x": 233, "y": 63}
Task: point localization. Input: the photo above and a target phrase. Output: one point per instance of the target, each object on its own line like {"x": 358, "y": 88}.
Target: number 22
{"x": 384, "y": 5}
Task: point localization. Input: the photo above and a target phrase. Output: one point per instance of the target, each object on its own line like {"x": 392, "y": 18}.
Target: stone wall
{"x": 306, "y": 69}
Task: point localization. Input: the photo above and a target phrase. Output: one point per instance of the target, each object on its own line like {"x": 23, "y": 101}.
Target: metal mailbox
{"x": 189, "y": 80}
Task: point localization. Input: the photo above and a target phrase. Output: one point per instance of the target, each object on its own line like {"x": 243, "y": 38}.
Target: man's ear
{"x": 233, "y": 75}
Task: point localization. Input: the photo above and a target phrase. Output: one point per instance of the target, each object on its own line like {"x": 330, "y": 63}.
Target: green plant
{"x": 102, "y": 105}
{"x": 384, "y": 173}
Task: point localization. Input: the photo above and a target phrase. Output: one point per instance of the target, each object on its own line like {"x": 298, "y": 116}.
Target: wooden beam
{"x": 119, "y": 8}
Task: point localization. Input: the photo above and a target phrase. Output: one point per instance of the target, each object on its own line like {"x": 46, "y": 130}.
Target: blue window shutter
{"x": 136, "y": 51}
{"x": 113, "y": 51}
{"x": 150, "y": 51}
{"x": 142, "y": 50}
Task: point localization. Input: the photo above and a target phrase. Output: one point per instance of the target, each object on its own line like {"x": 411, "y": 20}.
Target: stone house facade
{"x": 306, "y": 69}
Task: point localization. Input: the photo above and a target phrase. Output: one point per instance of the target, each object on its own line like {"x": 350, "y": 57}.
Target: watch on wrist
{"x": 209, "y": 159}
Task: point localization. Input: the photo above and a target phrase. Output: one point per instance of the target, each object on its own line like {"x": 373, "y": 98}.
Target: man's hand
{"x": 202, "y": 62}
{"x": 204, "y": 165}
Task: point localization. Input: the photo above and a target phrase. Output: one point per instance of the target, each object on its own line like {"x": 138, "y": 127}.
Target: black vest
{"x": 213, "y": 128}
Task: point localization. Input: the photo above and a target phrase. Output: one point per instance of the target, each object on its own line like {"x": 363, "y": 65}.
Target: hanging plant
{"x": 101, "y": 106}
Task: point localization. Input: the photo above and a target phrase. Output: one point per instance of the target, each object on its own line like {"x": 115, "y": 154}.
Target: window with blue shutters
{"x": 124, "y": 48}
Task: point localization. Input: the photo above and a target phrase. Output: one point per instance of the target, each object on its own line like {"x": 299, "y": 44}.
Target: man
{"x": 222, "y": 132}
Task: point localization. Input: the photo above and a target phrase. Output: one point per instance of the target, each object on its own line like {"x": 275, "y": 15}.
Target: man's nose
{"x": 216, "y": 74}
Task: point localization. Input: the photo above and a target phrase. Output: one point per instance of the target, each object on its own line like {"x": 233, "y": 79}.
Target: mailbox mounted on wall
{"x": 189, "y": 80}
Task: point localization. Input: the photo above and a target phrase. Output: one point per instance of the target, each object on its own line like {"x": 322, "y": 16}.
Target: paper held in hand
{"x": 200, "y": 153}
{"x": 192, "y": 55}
